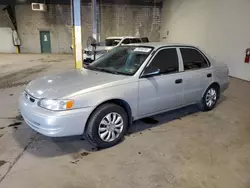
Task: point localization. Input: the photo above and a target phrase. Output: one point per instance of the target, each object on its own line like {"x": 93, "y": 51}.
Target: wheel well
{"x": 217, "y": 86}
{"x": 118, "y": 102}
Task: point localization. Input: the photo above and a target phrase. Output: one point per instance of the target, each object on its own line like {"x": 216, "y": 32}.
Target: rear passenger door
{"x": 196, "y": 75}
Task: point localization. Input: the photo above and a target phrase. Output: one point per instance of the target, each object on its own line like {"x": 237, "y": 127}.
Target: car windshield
{"x": 124, "y": 60}
{"x": 112, "y": 42}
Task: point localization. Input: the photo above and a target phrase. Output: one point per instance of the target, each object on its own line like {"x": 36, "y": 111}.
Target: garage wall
{"x": 120, "y": 20}
{"x": 115, "y": 20}
{"x": 220, "y": 27}
{"x": 29, "y": 24}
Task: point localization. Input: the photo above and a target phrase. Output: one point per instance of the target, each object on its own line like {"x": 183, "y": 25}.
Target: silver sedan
{"x": 128, "y": 83}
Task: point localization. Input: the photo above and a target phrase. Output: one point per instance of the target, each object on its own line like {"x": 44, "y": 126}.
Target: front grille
{"x": 32, "y": 100}
{"x": 29, "y": 98}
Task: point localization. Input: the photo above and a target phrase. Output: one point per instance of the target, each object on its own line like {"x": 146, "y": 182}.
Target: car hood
{"x": 67, "y": 83}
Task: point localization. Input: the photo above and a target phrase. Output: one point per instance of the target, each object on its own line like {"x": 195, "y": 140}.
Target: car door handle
{"x": 209, "y": 75}
{"x": 179, "y": 81}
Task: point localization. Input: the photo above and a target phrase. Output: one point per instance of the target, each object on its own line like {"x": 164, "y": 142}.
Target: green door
{"x": 45, "y": 41}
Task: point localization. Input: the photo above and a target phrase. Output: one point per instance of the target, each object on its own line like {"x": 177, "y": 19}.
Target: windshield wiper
{"x": 115, "y": 72}
{"x": 108, "y": 71}
{"x": 98, "y": 69}
{"x": 124, "y": 73}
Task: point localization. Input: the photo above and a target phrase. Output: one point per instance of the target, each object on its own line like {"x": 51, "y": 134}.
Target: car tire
{"x": 210, "y": 98}
{"x": 107, "y": 125}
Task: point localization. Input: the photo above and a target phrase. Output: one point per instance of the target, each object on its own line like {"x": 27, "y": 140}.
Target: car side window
{"x": 138, "y": 41}
{"x": 125, "y": 41}
{"x": 166, "y": 61}
{"x": 134, "y": 40}
{"x": 192, "y": 59}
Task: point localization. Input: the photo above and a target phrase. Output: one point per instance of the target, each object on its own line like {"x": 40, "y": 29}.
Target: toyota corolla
{"x": 128, "y": 83}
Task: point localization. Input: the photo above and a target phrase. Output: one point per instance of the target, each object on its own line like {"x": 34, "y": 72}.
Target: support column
{"x": 77, "y": 34}
{"x": 96, "y": 19}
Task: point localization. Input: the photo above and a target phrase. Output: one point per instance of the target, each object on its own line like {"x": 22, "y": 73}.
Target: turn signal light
{"x": 69, "y": 104}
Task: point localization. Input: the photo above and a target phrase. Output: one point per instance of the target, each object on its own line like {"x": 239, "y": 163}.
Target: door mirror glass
{"x": 151, "y": 71}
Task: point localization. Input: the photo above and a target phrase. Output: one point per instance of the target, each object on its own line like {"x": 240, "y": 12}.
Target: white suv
{"x": 108, "y": 44}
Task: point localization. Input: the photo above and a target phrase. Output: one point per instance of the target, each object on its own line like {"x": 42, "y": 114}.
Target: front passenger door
{"x": 163, "y": 91}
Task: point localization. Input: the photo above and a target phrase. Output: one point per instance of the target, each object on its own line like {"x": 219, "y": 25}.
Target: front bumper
{"x": 54, "y": 124}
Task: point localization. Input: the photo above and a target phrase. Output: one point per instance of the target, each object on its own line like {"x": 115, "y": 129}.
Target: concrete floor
{"x": 184, "y": 148}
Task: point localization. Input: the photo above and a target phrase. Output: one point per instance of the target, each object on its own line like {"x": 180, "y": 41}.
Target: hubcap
{"x": 211, "y": 97}
{"x": 110, "y": 127}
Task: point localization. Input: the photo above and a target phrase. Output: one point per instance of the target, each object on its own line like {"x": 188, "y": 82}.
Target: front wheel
{"x": 107, "y": 125}
{"x": 209, "y": 100}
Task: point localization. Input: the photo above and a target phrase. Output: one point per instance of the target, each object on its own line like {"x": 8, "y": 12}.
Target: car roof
{"x": 121, "y": 37}
{"x": 162, "y": 44}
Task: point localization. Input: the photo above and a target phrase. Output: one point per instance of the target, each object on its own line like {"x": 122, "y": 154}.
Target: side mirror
{"x": 150, "y": 71}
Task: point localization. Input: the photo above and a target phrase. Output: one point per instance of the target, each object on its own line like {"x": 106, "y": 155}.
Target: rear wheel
{"x": 107, "y": 125}
{"x": 210, "y": 98}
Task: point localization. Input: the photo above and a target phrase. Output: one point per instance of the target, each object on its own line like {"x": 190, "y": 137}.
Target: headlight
{"x": 56, "y": 105}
